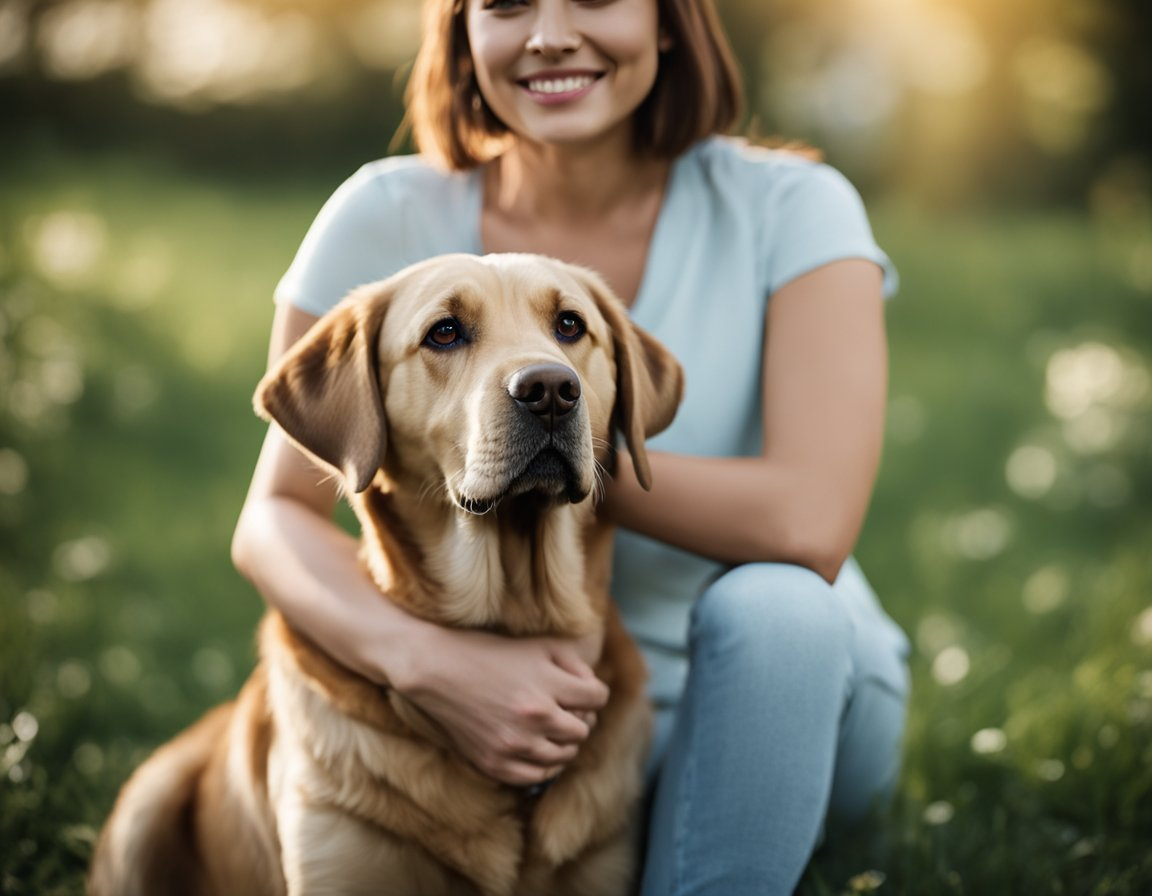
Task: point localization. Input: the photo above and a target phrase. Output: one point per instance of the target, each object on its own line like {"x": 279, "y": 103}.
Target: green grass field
{"x": 1009, "y": 535}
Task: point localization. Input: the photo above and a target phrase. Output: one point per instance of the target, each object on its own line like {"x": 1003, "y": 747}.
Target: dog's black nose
{"x": 547, "y": 390}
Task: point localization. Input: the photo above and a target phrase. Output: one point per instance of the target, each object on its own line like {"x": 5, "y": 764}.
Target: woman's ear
{"x": 325, "y": 392}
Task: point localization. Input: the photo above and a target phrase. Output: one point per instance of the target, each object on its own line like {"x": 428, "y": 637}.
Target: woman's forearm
{"x": 740, "y": 510}
{"x": 306, "y": 567}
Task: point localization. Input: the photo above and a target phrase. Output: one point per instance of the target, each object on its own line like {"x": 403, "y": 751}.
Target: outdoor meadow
{"x": 1010, "y": 534}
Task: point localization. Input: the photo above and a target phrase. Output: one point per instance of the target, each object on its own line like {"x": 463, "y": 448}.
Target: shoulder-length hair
{"x": 697, "y": 91}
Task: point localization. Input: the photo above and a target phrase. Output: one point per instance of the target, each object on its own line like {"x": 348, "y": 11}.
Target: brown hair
{"x": 697, "y": 90}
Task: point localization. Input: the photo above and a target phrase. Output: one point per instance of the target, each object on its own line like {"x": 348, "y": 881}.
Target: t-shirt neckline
{"x": 660, "y": 251}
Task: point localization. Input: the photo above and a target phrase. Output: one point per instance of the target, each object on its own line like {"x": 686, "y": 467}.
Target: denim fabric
{"x": 791, "y": 719}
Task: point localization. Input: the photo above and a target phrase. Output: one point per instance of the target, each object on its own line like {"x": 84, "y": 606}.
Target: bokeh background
{"x": 160, "y": 161}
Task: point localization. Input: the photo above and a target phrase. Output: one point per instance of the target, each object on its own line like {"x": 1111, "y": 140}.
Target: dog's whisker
{"x": 435, "y": 488}
{"x": 599, "y": 488}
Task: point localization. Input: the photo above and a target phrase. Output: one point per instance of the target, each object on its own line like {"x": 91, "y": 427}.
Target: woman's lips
{"x": 552, "y": 89}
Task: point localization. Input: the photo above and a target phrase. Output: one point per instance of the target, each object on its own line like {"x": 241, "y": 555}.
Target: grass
{"x": 1008, "y": 533}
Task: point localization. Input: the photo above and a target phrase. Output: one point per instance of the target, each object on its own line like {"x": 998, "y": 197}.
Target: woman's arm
{"x": 804, "y": 499}
{"x": 518, "y": 708}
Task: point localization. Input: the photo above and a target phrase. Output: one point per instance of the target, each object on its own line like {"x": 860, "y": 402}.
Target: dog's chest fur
{"x": 363, "y": 758}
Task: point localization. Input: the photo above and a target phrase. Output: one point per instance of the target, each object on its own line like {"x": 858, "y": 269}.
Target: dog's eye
{"x": 569, "y": 327}
{"x": 446, "y": 333}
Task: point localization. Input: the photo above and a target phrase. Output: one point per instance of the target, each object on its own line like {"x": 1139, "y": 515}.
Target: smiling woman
{"x": 589, "y": 65}
{"x": 697, "y": 92}
{"x": 592, "y": 132}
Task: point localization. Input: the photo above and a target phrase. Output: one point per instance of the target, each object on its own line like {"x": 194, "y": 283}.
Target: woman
{"x": 587, "y": 130}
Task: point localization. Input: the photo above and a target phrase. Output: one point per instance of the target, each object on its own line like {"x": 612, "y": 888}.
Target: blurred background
{"x": 160, "y": 161}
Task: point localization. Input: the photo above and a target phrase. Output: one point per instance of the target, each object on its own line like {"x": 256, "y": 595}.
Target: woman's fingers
{"x": 577, "y": 688}
{"x": 511, "y": 706}
{"x": 525, "y": 775}
{"x": 567, "y": 726}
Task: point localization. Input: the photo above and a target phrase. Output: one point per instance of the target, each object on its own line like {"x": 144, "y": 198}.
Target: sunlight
{"x": 866, "y": 881}
{"x": 13, "y": 34}
{"x": 1093, "y": 374}
{"x": 978, "y": 534}
{"x": 67, "y": 245}
{"x": 199, "y": 52}
{"x": 1045, "y": 590}
{"x": 938, "y": 813}
{"x": 1080, "y": 377}
{"x": 934, "y": 632}
{"x": 951, "y": 666}
{"x": 385, "y": 34}
{"x": 16, "y": 739}
{"x": 942, "y": 51}
{"x": 82, "y": 559}
{"x": 81, "y": 39}
{"x": 1050, "y": 770}
{"x": 1064, "y": 87}
{"x": 25, "y": 726}
{"x": 1031, "y": 471}
{"x": 988, "y": 741}
{"x": 1142, "y": 629}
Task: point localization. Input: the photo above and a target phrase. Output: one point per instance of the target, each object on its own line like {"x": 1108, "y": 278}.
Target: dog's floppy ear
{"x": 325, "y": 391}
{"x": 649, "y": 380}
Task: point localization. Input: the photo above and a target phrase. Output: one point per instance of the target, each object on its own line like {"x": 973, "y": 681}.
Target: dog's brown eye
{"x": 569, "y": 327}
{"x": 445, "y": 333}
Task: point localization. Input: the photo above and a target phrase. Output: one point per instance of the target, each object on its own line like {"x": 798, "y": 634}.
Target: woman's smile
{"x": 557, "y": 87}
{"x": 561, "y": 72}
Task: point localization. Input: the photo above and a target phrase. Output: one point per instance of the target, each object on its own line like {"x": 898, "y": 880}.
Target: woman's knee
{"x": 778, "y": 604}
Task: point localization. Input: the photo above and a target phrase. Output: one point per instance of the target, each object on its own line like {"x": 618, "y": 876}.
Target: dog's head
{"x": 488, "y": 377}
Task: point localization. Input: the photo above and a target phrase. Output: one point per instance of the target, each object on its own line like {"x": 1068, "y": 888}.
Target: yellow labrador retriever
{"x": 469, "y": 405}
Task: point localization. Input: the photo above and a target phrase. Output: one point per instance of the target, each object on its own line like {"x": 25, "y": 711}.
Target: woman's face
{"x": 565, "y": 72}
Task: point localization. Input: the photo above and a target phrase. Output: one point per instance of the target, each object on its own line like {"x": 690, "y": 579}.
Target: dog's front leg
{"x": 329, "y": 852}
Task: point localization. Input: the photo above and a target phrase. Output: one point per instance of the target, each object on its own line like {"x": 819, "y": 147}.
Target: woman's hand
{"x": 517, "y": 708}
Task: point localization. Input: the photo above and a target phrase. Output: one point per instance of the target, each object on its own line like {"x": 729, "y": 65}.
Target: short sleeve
{"x": 818, "y": 217}
{"x": 355, "y": 239}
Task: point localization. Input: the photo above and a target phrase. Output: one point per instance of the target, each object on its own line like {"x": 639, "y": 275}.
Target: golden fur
{"x": 474, "y": 514}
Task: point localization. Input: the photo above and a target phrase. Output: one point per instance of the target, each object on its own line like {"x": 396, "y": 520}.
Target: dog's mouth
{"x": 549, "y": 475}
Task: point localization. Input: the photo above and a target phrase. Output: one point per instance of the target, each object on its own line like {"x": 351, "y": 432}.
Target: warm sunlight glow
{"x": 199, "y": 52}
{"x": 86, "y": 38}
{"x": 385, "y": 34}
{"x": 1064, "y": 89}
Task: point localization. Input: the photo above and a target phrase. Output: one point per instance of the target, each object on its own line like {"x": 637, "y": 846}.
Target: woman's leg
{"x": 758, "y": 741}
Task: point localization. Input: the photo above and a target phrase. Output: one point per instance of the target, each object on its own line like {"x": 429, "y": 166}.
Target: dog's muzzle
{"x": 544, "y": 451}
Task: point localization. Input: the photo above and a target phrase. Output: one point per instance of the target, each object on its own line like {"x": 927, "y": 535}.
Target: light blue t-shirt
{"x": 737, "y": 223}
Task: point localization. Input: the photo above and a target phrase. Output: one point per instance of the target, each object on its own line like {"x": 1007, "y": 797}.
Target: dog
{"x": 468, "y": 406}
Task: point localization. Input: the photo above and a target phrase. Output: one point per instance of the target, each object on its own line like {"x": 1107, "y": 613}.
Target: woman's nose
{"x": 553, "y": 31}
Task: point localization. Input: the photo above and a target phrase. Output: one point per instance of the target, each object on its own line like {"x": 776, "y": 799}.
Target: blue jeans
{"x": 791, "y": 721}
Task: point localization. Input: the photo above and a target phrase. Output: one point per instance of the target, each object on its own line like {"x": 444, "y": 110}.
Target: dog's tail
{"x": 148, "y": 846}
